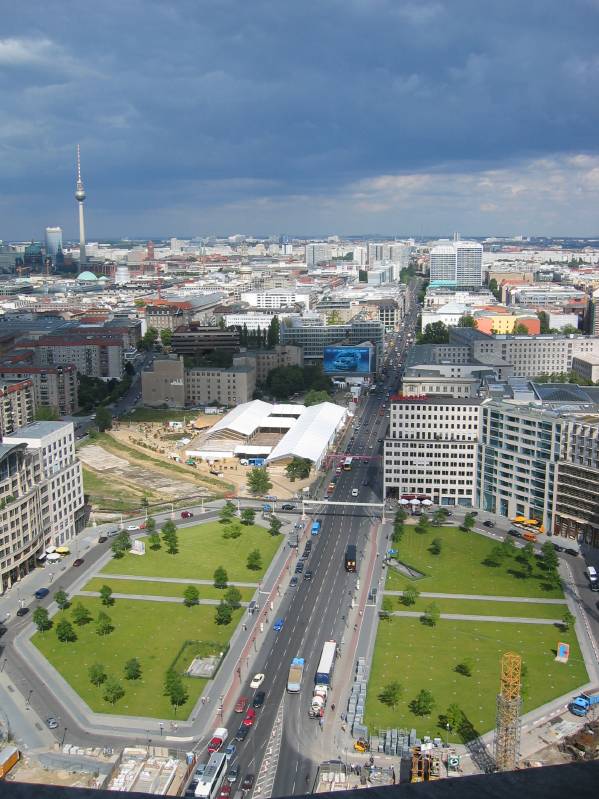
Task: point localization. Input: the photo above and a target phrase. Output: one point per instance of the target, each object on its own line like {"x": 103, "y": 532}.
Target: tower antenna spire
{"x": 80, "y": 197}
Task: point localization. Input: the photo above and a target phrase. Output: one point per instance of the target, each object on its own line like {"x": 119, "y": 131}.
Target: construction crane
{"x": 509, "y": 701}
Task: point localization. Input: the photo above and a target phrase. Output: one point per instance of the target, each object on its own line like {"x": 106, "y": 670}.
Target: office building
{"x": 317, "y": 253}
{"x": 313, "y": 336}
{"x": 195, "y": 339}
{"x": 53, "y": 242}
{"x": 430, "y": 452}
{"x": 456, "y": 263}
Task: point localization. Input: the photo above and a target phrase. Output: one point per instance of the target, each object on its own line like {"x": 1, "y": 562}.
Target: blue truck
{"x": 315, "y": 527}
{"x": 582, "y": 703}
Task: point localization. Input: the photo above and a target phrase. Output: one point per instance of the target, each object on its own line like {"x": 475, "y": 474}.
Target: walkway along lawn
{"x": 156, "y": 588}
{"x": 473, "y": 607}
{"x": 420, "y": 657}
{"x": 151, "y": 632}
{"x": 460, "y": 568}
{"x": 202, "y": 549}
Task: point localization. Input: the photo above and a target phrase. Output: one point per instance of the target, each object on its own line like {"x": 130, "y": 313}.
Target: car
{"x": 52, "y": 723}
{"x": 241, "y": 704}
{"x": 515, "y": 533}
{"x": 250, "y": 718}
{"x": 248, "y": 782}
{"x": 200, "y": 769}
{"x": 230, "y": 751}
{"x": 278, "y": 625}
{"x": 259, "y": 698}
{"x": 287, "y": 506}
{"x": 41, "y": 593}
{"x": 308, "y": 547}
{"x": 338, "y": 470}
{"x": 293, "y": 582}
{"x": 257, "y": 680}
{"x": 225, "y": 791}
{"x": 78, "y": 562}
{"x": 132, "y": 527}
{"x": 364, "y": 482}
{"x": 557, "y": 547}
{"x": 3, "y": 631}
{"x": 242, "y": 733}
{"x": 299, "y": 567}
{"x": 570, "y": 551}
{"x": 233, "y": 774}
{"x": 354, "y": 492}
{"x": 102, "y": 539}
{"x": 473, "y": 512}
{"x": 298, "y": 526}
{"x": 23, "y": 611}
{"x": 488, "y": 523}
{"x": 308, "y": 575}
{"x": 186, "y": 514}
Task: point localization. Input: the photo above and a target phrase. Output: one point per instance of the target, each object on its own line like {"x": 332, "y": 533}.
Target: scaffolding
{"x": 507, "y": 727}
{"x": 426, "y": 764}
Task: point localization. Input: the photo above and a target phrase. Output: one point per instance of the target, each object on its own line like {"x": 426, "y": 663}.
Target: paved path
{"x": 156, "y": 598}
{"x": 483, "y": 597}
{"x": 465, "y": 617}
{"x": 180, "y": 580}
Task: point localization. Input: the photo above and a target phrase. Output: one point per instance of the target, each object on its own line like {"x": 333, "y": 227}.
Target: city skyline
{"x": 270, "y": 118}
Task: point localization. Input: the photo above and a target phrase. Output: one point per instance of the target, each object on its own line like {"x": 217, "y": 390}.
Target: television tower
{"x": 80, "y": 197}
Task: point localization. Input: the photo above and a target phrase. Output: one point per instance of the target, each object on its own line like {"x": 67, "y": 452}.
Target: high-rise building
{"x": 80, "y": 197}
{"x": 317, "y": 253}
{"x": 456, "y": 263}
{"x": 53, "y": 242}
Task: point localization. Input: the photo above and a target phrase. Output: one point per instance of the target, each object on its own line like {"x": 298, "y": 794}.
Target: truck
{"x": 315, "y": 529}
{"x": 9, "y": 755}
{"x": 582, "y": 703}
{"x": 294, "y": 680}
{"x": 219, "y": 736}
{"x": 256, "y": 461}
{"x": 319, "y": 701}
{"x": 350, "y": 558}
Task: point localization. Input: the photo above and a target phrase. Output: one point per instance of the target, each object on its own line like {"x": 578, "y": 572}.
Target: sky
{"x": 402, "y": 117}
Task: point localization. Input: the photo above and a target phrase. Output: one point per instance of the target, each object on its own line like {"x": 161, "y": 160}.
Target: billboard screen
{"x": 347, "y": 360}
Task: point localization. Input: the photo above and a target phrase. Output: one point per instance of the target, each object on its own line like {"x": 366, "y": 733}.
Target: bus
{"x": 212, "y": 778}
{"x": 315, "y": 527}
{"x": 350, "y": 558}
{"x": 324, "y": 672}
{"x": 347, "y": 464}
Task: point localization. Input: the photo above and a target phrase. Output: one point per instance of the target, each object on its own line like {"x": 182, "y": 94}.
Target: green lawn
{"x": 459, "y": 569}
{"x": 422, "y": 657}
{"x": 160, "y": 589}
{"x": 531, "y": 610}
{"x": 152, "y": 634}
{"x": 202, "y": 549}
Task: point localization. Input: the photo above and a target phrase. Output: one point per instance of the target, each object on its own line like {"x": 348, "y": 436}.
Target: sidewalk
{"x": 415, "y": 614}
{"x": 484, "y": 597}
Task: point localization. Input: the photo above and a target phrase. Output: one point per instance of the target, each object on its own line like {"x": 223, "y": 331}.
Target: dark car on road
{"x": 248, "y": 782}
{"x": 308, "y": 575}
{"x": 78, "y": 562}
{"x": 242, "y": 733}
{"x": 299, "y": 567}
{"x": 186, "y": 514}
{"x": 515, "y": 533}
{"x": 557, "y": 547}
{"x": 258, "y": 701}
{"x": 22, "y": 611}
{"x": 41, "y": 593}
{"x": 2, "y": 631}
{"x": 488, "y": 523}
{"x": 570, "y": 551}
{"x": 287, "y": 506}
{"x": 293, "y": 582}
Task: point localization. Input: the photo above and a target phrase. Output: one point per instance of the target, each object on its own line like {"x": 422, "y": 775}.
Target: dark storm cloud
{"x": 191, "y": 105}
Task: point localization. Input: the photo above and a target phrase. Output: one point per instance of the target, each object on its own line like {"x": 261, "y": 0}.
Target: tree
{"x": 223, "y": 614}
{"x": 569, "y": 330}
{"x": 168, "y": 527}
{"x": 423, "y": 705}
{"x": 508, "y": 546}
{"x": 313, "y": 397}
{"x": 106, "y": 596}
{"x": 495, "y": 556}
{"x": 298, "y": 469}
{"x": 467, "y": 321}
{"x": 435, "y": 547}
{"x": 174, "y": 689}
{"x": 453, "y": 716}
{"x": 544, "y": 320}
{"x": 65, "y": 631}
{"x": 422, "y": 525}
{"x": 103, "y": 419}
{"x": 132, "y": 669}
{"x": 258, "y": 481}
{"x": 248, "y": 516}
{"x": 104, "y": 624}
{"x": 465, "y": 667}
{"x": 409, "y": 596}
{"x": 568, "y": 620}
{"x": 113, "y": 690}
{"x": 435, "y": 333}
{"x": 166, "y": 336}
{"x": 150, "y": 522}
{"x": 221, "y": 578}
{"x": 520, "y": 329}
{"x": 81, "y": 615}
{"x": 431, "y": 615}
{"x": 41, "y": 619}
{"x": 172, "y": 542}
{"x": 227, "y": 512}
{"x": 494, "y": 289}
{"x": 149, "y": 338}
{"x": 62, "y": 599}
{"x": 154, "y": 541}
{"x": 254, "y": 560}
{"x": 46, "y": 413}
{"x": 97, "y": 674}
{"x": 469, "y": 521}
{"x": 275, "y": 525}
{"x": 233, "y": 597}
{"x": 272, "y": 336}
{"x": 549, "y": 556}
{"x": 191, "y": 596}
{"x": 438, "y": 517}
{"x": 391, "y": 694}
{"x": 122, "y": 543}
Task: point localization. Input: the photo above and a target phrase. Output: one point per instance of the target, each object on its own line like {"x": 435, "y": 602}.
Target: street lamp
{"x": 447, "y": 727}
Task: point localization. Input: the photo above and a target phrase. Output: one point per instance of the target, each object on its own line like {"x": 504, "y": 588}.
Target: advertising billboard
{"x": 347, "y": 360}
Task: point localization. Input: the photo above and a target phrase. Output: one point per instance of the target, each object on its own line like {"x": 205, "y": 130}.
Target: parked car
{"x": 102, "y": 539}
{"x": 515, "y": 533}
{"x": 570, "y": 551}
{"x": 558, "y": 548}
{"x": 23, "y": 611}
{"x": 299, "y": 567}
{"x": 3, "y": 630}
{"x": 278, "y": 625}
{"x": 488, "y": 523}
{"x": 78, "y": 562}
{"x": 257, "y": 681}
{"x": 241, "y": 704}
{"x": 41, "y": 593}
{"x": 186, "y": 514}
{"x": 259, "y": 698}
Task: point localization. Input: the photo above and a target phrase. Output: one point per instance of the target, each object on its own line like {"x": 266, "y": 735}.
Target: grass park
{"x": 154, "y": 588}
{"x": 202, "y": 549}
{"x": 152, "y": 633}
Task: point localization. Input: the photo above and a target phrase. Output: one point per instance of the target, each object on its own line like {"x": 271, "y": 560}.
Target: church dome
{"x": 86, "y": 277}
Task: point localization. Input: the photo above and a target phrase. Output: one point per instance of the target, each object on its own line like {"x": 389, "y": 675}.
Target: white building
{"x": 457, "y": 263}
{"x": 431, "y": 449}
{"x": 317, "y": 252}
{"x": 273, "y": 299}
{"x": 53, "y": 241}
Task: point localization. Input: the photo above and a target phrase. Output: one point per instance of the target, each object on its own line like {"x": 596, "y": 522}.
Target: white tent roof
{"x": 252, "y": 449}
{"x": 243, "y": 419}
{"x": 311, "y": 434}
{"x": 273, "y": 422}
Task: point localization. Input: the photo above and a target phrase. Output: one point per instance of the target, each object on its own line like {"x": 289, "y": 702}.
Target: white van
{"x": 592, "y": 575}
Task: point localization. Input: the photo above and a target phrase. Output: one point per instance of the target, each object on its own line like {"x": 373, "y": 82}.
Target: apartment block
{"x": 431, "y": 449}
{"x": 53, "y": 387}
{"x": 93, "y": 356}
{"x": 168, "y": 314}
{"x": 17, "y": 405}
